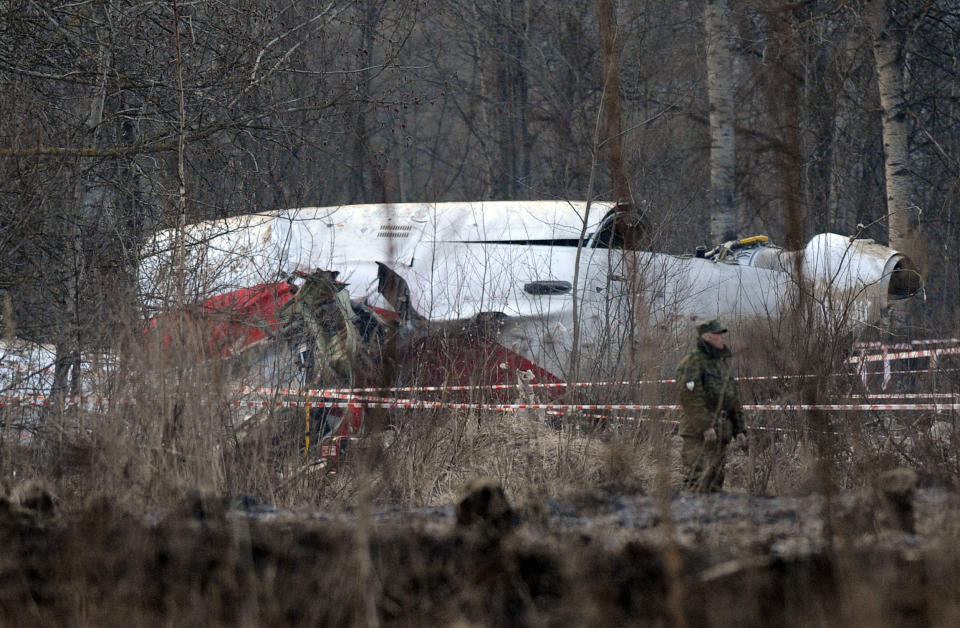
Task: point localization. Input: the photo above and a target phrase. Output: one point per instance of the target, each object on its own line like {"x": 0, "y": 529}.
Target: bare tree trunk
{"x": 368, "y": 178}
{"x": 723, "y": 210}
{"x": 68, "y": 328}
{"x": 784, "y": 101}
{"x": 479, "y": 42}
{"x": 510, "y": 24}
{"x": 181, "y": 173}
{"x": 74, "y": 266}
{"x": 888, "y": 49}
{"x": 838, "y": 218}
{"x": 606, "y": 24}
{"x": 522, "y": 82}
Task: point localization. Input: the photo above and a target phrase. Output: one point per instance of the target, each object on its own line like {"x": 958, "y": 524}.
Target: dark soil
{"x": 601, "y": 559}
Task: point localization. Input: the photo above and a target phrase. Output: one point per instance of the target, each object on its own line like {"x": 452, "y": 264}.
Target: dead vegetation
{"x": 720, "y": 560}
{"x": 152, "y": 511}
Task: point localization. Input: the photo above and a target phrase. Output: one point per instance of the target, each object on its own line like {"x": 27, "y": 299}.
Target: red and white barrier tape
{"x": 32, "y": 370}
{"x": 319, "y": 392}
{"x": 635, "y": 419}
{"x": 906, "y": 344}
{"x": 509, "y": 407}
{"x": 355, "y": 401}
{"x": 329, "y": 392}
{"x": 904, "y": 396}
{"x": 322, "y": 392}
{"x": 903, "y": 355}
{"x": 907, "y": 371}
{"x": 43, "y": 400}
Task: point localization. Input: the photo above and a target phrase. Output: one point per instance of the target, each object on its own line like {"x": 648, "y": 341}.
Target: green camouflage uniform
{"x": 708, "y": 396}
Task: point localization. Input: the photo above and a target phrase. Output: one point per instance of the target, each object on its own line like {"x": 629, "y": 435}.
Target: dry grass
{"x": 167, "y": 431}
{"x": 167, "y": 435}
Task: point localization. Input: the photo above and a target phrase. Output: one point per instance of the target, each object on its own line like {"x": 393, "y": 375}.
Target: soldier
{"x": 712, "y": 415}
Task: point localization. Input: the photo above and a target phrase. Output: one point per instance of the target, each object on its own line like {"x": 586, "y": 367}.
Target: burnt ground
{"x": 596, "y": 559}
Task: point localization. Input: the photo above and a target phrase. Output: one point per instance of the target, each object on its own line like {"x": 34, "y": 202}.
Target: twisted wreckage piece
{"x": 329, "y": 339}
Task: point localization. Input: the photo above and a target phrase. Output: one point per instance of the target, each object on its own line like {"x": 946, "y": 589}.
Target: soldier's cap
{"x": 712, "y": 326}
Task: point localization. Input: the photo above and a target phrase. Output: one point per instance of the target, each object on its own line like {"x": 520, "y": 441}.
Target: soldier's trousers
{"x": 702, "y": 464}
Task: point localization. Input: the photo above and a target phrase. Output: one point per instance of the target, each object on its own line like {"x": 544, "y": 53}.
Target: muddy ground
{"x": 597, "y": 559}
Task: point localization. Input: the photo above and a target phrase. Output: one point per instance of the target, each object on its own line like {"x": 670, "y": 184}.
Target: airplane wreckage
{"x": 484, "y": 292}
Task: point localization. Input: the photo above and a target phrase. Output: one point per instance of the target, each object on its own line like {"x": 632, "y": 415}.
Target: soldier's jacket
{"x": 708, "y": 392}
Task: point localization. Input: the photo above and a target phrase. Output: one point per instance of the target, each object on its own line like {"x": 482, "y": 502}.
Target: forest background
{"x": 119, "y": 118}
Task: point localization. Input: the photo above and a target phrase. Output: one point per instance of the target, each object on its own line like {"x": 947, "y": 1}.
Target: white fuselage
{"x": 536, "y": 262}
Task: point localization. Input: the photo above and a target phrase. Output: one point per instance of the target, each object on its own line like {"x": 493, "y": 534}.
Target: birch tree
{"x": 723, "y": 210}
{"x": 889, "y": 46}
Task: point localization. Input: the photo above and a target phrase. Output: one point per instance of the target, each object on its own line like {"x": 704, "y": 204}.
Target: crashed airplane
{"x": 556, "y": 278}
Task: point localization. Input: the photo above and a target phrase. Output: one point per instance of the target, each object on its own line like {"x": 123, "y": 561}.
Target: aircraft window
{"x": 554, "y": 242}
{"x": 620, "y": 230}
{"x": 548, "y": 287}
